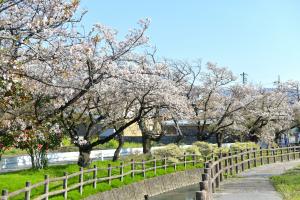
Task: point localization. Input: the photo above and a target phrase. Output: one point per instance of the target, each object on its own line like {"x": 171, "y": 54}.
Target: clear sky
{"x": 259, "y": 37}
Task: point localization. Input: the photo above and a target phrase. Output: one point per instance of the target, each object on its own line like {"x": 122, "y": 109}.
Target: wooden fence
{"x": 224, "y": 165}
{"x": 130, "y": 169}
{"x": 216, "y": 169}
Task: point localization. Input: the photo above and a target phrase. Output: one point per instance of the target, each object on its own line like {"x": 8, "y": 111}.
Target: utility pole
{"x": 278, "y": 82}
{"x": 297, "y": 90}
{"x": 244, "y": 77}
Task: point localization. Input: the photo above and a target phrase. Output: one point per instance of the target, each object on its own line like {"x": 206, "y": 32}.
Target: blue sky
{"x": 259, "y": 37}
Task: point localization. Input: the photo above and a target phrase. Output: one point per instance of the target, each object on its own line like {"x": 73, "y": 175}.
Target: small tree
{"x": 36, "y": 141}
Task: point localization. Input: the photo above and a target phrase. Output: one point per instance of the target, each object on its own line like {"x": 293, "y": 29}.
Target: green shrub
{"x": 132, "y": 145}
{"x": 273, "y": 145}
{"x": 205, "y": 148}
{"x": 67, "y": 149}
{"x": 171, "y": 151}
{"x": 222, "y": 150}
{"x": 241, "y": 146}
{"x": 192, "y": 150}
{"x": 136, "y": 157}
{"x": 66, "y": 142}
{"x": 112, "y": 144}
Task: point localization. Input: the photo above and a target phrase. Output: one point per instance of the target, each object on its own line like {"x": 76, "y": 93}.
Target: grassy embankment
{"x": 288, "y": 184}
{"x": 16, "y": 180}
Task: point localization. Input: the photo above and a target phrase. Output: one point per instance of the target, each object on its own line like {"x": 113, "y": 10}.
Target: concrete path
{"x": 254, "y": 184}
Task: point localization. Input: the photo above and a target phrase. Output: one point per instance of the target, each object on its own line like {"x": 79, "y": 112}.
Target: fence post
{"x": 242, "y": 160}
{"x": 4, "y": 195}
{"x": 271, "y": 154}
{"x": 132, "y": 168}
{"x": 216, "y": 167}
{"x": 194, "y": 158}
{"x": 230, "y": 163}
{"x": 212, "y": 174}
{"x": 28, "y": 190}
{"x": 46, "y": 186}
{"x": 255, "y": 159}
{"x": 165, "y": 163}
{"x": 226, "y": 165}
{"x": 109, "y": 173}
{"x": 184, "y": 158}
{"x": 294, "y": 152}
{"x": 81, "y": 181}
{"x": 281, "y": 156}
{"x": 154, "y": 167}
{"x": 95, "y": 172}
{"x": 268, "y": 156}
{"x": 261, "y": 156}
{"x": 207, "y": 174}
{"x": 288, "y": 153}
{"x": 204, "y": 187}
{"x": 201, "y": 195}
{"x": 249, "y": 158}
{"x": 220, "y": 167}
{"x": 236, "y": 160}
{"x": 143, "y": 168}
{"x": 65, "y": 185}
{"x": 102, "y": 157}
{"x": 274, "y": 155}
{"x": 121, "y": 171}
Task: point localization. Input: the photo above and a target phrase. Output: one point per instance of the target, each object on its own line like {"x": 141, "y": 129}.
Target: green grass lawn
{"x": 288, "y": 184}
{"x": 16, "y": 180}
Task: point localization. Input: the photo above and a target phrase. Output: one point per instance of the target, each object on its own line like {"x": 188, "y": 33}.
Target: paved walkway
{"x": 254, "y": 184}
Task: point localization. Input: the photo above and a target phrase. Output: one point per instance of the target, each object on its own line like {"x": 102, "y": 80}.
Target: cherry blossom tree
{"x": 66, "y": 69}
{"x": 28, "y": 29}
{"x": 211, "y": 99}
{"x": 224, "y": 108}
{"x": 271, "y": 113}
{"x": 167, "y": 98}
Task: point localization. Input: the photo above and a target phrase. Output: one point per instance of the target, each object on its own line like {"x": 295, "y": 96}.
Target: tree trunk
{"x": 120, "y": 145}
{"x": 277, "y": 137}
{"x": 199, "y": 131}
{"x": 146, "y": 139}
{"x": 179, "y": 132}
{"x": 220, "y": 139}
{"x": 38, "y": 158}
{"x": 146, "y": 144}
{"x": 253, "y": 137}
{"x": 84, "y": 156}
{"x": 32, "y": 161}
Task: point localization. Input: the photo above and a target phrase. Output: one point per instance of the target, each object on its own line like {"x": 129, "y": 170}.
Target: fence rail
{"x": 219, "y": 168}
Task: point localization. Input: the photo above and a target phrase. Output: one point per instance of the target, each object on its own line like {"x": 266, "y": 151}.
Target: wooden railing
{"x": 225, "y": 165}
{"x": 130, "y": 169}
